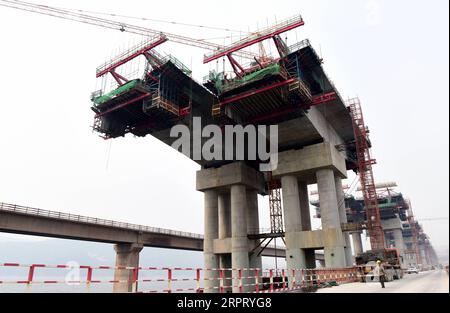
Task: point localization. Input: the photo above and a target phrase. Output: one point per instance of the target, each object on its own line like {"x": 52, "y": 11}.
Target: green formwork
{"x": 258, "y": 75}
{"x": 122, "y": 89}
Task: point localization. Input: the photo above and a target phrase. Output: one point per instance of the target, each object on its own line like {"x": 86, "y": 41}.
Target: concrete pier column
{"x": 225, "y": 232}
{"x": 340, "y": 197}
{"x": 234, "y": 179}
{"x": 334, "y": 252}
{"x": 398, "y": 239}
{"x": 305, "y": 217}
{"x": 399, "y": 242}
{"x": 255, "y": 261}
{"x": 304, "y": 206}
{"x": 252, "y": 211}
{"x": 357, "y": 243}
{"x": 239, "y": 242}
{"x": 127, "y": 254}
{"x": 224, "y": 215}
{"x": 295, "y": 257}
{"x": 211, "y": 260}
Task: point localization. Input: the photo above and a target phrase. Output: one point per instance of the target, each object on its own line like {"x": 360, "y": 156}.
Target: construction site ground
{"x": 424, "y": 282}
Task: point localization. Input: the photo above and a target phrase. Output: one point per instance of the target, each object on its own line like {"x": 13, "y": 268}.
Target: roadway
{"x": 424, "y": 282}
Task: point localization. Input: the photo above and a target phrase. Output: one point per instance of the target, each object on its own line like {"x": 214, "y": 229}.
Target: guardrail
{"x": 190, "y": 279}
{"x": 92, "y": 220}
{"x": 25, "y": 210}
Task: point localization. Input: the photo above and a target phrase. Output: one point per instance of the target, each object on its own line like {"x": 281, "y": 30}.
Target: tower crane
{"x": 368, "y": 187}
{"x": 156, "y": 37}
{"x": 116, "y": 25}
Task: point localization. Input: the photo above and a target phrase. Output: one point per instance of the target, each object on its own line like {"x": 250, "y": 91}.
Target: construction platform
{"x": 391, "y": 206}
{"x": 163, "y": 98}
{"x": 291, "y": 91}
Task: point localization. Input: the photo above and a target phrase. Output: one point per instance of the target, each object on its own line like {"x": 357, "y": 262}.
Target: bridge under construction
{"x": 320, "y": 138}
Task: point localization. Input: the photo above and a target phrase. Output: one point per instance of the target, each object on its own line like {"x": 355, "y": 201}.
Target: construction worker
{"x": 380, "y": 272}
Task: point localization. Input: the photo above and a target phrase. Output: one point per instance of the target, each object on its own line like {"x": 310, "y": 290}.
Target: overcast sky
{"x": 392, "y": 54}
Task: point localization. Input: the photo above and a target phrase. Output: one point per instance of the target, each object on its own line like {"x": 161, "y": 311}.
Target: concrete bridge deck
{"x": 38, "y": 222}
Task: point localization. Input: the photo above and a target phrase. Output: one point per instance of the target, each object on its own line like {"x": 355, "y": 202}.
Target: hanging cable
{"x": 149, "y": 19}
{"x": 108, "y": 154}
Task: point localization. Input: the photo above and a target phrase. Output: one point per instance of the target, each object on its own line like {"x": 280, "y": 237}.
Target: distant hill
{"x": 61, "y": 251}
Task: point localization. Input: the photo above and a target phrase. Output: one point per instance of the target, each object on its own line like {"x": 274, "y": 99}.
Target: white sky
{"x": 392, "y": 54}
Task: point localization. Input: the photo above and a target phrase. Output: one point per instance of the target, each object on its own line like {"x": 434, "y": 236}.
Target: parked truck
{"x": 366, "y": 262}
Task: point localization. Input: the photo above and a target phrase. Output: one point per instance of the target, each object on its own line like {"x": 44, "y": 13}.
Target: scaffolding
{"x": 128, "y": 55}
{"x": 158, "y": 100}
{"x": 275, "y": 205}
{"x": 274, "y": 89}
{"x": 256, "y": 37}
{"x": 365, "y": 163}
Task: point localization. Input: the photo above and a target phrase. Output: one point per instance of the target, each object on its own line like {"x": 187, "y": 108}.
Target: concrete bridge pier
{"x": 395, "y": 226}
{"x": 335, "y": 252}
{"x": 211, "y": 260}
{"x": 225, "y": 232}
{"x": 399, "y": 242}
{"x": 233, "y": 188}
{"x": 310, "y": 255}
{"x": 225, "y": 264}
{"x": 295, "y": 256}
{"x": 322, "y": 164}
{"x": 127, "y": 255}
{"x": 357, "y": 243}
{"x": 343, "y": 219}
{"x": 255, "y": 261}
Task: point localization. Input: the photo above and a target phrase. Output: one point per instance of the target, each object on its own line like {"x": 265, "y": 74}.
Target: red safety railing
{"x": 196, "y": 280}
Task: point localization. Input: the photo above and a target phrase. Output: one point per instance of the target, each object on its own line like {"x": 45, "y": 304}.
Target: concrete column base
{"x": 239, "y": 261}
{"x": 126, "y": 255}
{"x": 295, "y": 259}
{"x": 255, "y": 261}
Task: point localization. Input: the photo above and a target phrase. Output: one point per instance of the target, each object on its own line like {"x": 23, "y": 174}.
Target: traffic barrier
{"x": 253, "y": 280}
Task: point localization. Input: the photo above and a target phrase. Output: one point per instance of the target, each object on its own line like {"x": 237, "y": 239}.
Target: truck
{"x": 391, "y": 259}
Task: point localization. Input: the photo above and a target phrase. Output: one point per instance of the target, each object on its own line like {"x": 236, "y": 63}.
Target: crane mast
{"x": 368, "y": 187}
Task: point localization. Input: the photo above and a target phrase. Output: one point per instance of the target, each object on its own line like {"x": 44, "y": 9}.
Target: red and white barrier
{"x": 244, "y": 279}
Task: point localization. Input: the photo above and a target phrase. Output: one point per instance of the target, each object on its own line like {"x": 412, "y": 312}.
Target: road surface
{"x": 424, "y": 282}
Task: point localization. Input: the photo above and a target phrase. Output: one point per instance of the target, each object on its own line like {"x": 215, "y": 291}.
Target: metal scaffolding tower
{"x": 368, "y": 187}
{"x": 275, "y": 206}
